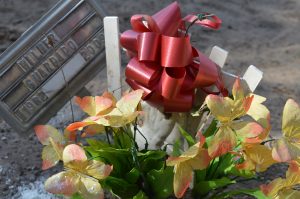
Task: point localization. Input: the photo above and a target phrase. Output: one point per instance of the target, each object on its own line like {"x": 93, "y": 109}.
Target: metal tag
{"x": 68, "y": 38}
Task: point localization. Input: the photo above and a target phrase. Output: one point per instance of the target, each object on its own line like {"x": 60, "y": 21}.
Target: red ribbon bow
{"x": 163, "y": 63}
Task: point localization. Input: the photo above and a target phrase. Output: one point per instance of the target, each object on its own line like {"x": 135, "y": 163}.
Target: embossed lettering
{"x": 30, "y": 106}
{"x": 23, "y": 64}
{"x": 48, "y": 67}
{"x": 22, "y": 115}
{"x": 54, "y": 61}
{"x": 72, "y": 44}
{"x": 42, "y": 47}
{"x": 31, "y": 58}
{"x": 31, "y": 85}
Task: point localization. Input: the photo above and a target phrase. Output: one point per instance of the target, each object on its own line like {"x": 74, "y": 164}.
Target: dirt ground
{"x": 264, "y": 33}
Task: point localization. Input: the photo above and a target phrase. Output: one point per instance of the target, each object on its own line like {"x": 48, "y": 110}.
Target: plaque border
{"x": 25, "y": 43}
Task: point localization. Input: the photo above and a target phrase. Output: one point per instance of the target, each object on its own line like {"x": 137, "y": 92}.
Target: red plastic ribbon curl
{"x": 163, "y": 62}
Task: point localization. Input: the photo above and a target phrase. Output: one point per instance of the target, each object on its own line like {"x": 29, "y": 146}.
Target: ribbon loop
{"x": 163, "y": 62}
{"x": 145, "y": 73}
{"x": 148, "y": 46}
{"x": 171, "y": 82}
{"x": 176, "y": 51}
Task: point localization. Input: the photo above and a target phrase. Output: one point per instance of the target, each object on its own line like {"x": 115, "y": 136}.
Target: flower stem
{"x": 200, "y": 17}
{"x": 270, "y": 140}
{"x": 107, "y": 135}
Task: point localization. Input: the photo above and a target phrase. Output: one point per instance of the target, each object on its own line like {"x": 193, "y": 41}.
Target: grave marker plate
{"x": 68, "y": 38}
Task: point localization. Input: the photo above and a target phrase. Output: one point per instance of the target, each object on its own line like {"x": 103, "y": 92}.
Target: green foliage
{"x": 161, "y": 182}
{"x": 176, "y": 148}
{"x": 136, "y": 174}
{"x": 140, "y": 195}
{"x": 212, "y": 129}
{"x": 121, "y": 187}
{"x": 190, "y": 140}
{"x": 76, "y": 196}
{"x": 204, "y": 187}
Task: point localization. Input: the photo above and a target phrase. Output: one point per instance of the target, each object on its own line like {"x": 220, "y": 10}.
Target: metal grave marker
{"x": 68, "y": 38}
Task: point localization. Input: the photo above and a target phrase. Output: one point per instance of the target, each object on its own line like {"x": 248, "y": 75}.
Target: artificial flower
{"x": 195, "y": 158}
{"x": 256, "y": 157}
{"x": 98, "y": 105}
{"x": 108, "y": 113}
{"x": 54, "y": 143}
{"x": 284, "y": 188}
{"x": 287, "y": 148}
{"x": 80, "y": 176}
{"x": 228, "y": 112}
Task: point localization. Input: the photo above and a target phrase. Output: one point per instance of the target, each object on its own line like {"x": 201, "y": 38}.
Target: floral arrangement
{"x": 101, "y": 153}
{"x": 233, "y": 146}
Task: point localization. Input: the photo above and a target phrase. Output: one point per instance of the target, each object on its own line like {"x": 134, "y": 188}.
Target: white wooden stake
{"x": 113, "y": 55}
{"x": 218, "y": 55}
{"x": 253, "y": 76}
{"x": 250, "y": 80}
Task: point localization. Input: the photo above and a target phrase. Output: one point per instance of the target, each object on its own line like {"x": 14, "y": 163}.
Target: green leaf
{"x": 120, "y": 159}
{"x": 153, "y": 154}
{"x": 97, "y": 144}
{"x": 232, "y": 170}
{"x": 161, "y": 182}
{"x": 132, "y": 176}
{"x": 151, "y": 160}
{"x": 190, "y": 140}
{"x": 176, "y": 148}
{"x": 76, "y": 196}
{"x": 225, "y": 162}
{"x": 140, "y": 195}
{"x": 122, "y": 140}
{"x": 211, "y": 130}
{"x": 257, "y": 193}
{"x": 206, "y": 186}
{"x": 200, "y": 175}
{"x": 120, "y": 187}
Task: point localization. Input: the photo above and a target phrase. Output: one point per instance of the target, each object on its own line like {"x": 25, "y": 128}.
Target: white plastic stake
{"x": 113, "y": 55}
{"x": 253, "y": 76}
{"x": 218, "y": 55}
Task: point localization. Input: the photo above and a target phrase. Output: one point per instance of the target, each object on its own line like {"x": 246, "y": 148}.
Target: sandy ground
{"x": 264, "y": 33}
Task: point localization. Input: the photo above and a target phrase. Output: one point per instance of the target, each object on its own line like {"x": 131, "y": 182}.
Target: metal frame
{"x": 29, "y": 39}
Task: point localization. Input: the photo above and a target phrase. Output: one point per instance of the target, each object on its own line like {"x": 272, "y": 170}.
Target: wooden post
{"x": 250, "y": 80}
{"x": 218, "y": 55}
{"x": 253, "y": 76}
{"x": 113, "y": 55}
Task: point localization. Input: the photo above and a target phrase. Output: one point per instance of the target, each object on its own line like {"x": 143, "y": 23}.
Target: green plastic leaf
{"x": 206, "y": 186}
{"x": 161, "y": 182}
{"x": 232, "y": 170}
{"x": 120, "y": 187}
{"x": 97, "y": 144}
{"x": 200, "y": 175}
{"x": 140, "y": 195}
{"x": 76, "y": 196}
{"x": 212, "y": 129}
{"x": 176, "y": 148}
{"x": 225, "y": 162}
{"x": 121, "y": 159}
{"x": 155, "y": 154}
{"x": 132, "y": 176}
{"x": 151, "y": 160}
{"x": 190, "y": 140}
{"x": 122, "y": 140}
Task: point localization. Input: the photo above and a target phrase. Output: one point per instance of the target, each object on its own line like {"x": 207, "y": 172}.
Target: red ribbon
{"x": 163, "y": 62}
